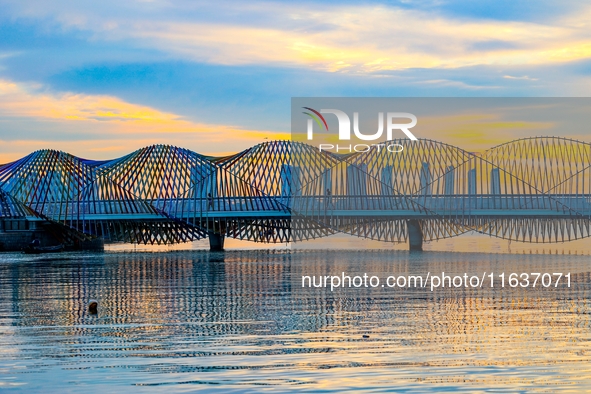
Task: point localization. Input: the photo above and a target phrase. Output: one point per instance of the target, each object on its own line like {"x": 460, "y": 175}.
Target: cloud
{"x": 451, "y": 83}
{"x": 524, "y": 77}
{"x": 102, "y": 126}
{"x": 336, "y": 38}
{"x": 23, "y": 101}
{"x": 188, "y": 72}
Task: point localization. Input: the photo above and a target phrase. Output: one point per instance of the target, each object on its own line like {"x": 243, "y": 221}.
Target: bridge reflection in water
{"x": 239, "y": 320}
{"x": 530, "y": 190}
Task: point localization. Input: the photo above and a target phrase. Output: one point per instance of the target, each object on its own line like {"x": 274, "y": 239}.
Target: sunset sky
{"x": 101, "y": 79}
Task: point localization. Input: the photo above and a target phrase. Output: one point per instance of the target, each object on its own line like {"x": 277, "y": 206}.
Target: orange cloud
{"x": 105, "y": 126}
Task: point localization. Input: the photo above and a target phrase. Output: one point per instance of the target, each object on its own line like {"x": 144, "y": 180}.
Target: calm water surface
{"x": 238, "y": 321}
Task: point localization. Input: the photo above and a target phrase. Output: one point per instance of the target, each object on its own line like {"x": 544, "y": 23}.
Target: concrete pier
{"x": 415, "y": 235}
{"x": 216, "y": 241}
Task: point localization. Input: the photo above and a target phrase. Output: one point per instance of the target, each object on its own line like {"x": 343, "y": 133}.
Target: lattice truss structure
{"x": 530, "y": 190}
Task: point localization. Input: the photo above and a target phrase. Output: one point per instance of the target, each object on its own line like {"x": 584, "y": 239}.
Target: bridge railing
{"x": 320, "y": 204}
{"x": 173, "y": 207}
{"x": 447, "y": 204}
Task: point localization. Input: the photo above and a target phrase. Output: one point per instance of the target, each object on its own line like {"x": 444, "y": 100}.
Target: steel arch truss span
{"x": 530, "y": 190}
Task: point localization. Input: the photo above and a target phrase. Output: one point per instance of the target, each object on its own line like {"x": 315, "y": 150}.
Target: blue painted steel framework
{"x": 530, "y": 190}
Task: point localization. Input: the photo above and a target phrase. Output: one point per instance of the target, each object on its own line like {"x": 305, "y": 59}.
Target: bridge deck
{"x": 395, "y": 207}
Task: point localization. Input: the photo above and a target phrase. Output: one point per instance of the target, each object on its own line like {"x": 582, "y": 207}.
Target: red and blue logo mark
{"x": 317, "y": 116}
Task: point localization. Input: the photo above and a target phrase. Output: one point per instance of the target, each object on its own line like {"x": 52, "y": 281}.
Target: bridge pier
{"x": 216, "y": 241}
{"x": 415, "y": 235}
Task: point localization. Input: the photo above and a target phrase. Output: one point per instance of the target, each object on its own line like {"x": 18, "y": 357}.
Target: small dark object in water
{"x": 365, "y": 336}
{"x": 93, "y": 307}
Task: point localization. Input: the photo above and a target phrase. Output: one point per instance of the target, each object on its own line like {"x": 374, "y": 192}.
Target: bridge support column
{"x": 216, "y": 241}
{"x": 415, "y": 235}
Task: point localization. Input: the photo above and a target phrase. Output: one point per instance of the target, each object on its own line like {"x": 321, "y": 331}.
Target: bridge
{"x": 529, "y": 190}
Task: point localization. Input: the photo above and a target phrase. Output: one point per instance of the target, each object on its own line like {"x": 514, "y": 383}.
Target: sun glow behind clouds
{"x": 22, "y": 100}
{"x": 100, "y": 126}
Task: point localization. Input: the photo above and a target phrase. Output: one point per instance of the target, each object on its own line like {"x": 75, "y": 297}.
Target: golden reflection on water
{"x": 468, "y": 242}
{"x": 239, "y": 320}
